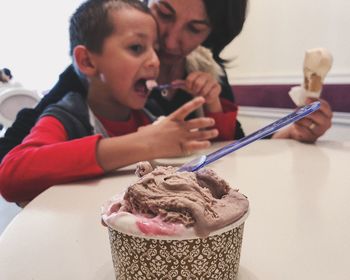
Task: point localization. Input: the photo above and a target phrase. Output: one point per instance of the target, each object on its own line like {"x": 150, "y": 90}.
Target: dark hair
{"x": 7, "y": 72}
{"x": 227, "y": 18}
{"x": 90, "y": 25}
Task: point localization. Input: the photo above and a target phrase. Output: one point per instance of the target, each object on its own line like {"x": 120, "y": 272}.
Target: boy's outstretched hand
{"x": 174, "y": 136}
{"x": 171, "y": 136}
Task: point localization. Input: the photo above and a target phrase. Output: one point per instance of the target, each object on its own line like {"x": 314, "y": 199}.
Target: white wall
{"x": 277, "y": 32}
{"x": 34, "y": 41}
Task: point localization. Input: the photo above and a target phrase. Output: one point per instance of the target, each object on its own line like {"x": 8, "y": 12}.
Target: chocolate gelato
{"x": 171, "y": 201}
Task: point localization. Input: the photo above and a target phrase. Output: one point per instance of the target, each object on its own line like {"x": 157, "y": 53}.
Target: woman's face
{"x": 183, "y": 26}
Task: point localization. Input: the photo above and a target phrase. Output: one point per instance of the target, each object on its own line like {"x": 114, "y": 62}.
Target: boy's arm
{"x": 26, "y": 118}
{"x": 46, "y": 158}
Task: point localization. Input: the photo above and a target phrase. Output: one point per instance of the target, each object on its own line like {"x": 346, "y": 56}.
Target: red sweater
{"x": 45, "y": 157}
{"x": 225, "y": 122}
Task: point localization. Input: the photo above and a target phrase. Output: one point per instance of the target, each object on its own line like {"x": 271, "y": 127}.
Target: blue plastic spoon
{"x": 164, "y": 88}
{"x": 167, "y": 86}
{"x": 204, "y": 160}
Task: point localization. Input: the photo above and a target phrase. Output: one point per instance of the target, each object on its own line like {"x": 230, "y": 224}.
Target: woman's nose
{"x": 171, "y": 39}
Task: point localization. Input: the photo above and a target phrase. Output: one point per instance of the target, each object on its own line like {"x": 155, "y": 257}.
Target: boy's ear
{"x": 83, "y": 60}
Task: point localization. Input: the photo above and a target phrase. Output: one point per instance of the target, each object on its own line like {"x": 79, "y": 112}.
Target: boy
{"x": 113, "y": 46}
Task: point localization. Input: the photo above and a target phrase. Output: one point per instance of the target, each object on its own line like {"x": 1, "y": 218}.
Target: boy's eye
{"x": 137, "y": 48}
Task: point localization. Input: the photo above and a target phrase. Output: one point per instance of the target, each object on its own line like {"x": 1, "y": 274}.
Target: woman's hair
{"x": 91, "y": 24}
{"x": 227, "y": 18}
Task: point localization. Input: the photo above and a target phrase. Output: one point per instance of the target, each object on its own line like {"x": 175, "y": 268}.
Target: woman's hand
{"x": 310, "y": 128}
{"x": 173, "y": 136}
{"x": 205, "y": 85}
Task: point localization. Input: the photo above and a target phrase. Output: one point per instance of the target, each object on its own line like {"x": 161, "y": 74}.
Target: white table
{"x": 298, "y": 228}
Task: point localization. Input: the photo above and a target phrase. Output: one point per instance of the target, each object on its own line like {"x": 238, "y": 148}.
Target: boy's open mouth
{"x": 144, "y": 86}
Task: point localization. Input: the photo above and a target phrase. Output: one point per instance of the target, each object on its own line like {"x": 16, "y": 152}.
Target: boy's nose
{"x": 153, "y": 60}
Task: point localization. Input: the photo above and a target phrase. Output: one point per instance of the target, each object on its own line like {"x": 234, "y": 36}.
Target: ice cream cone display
{"x": 176, "y": 225}
{"x": 317, "y": 63}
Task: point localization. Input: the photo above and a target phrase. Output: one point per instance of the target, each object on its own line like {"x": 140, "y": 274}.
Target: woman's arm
{"x": 219, "y": 103}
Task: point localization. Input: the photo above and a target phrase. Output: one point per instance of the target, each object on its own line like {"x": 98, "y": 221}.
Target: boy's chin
{"x": 137, "y": 105}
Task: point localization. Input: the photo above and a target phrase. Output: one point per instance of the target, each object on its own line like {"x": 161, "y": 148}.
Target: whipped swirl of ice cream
{"x": 166, "y": 202}
{"x": 150, "y": 84}
{"x": 317, "y": 63}
{"x": 143, "y": 168}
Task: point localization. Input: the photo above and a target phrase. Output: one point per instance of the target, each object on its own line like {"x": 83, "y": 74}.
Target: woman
{"x": 184, "y": 26}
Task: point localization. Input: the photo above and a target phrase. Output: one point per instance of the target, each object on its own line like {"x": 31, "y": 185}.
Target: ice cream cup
{"x": 148, "y": 257}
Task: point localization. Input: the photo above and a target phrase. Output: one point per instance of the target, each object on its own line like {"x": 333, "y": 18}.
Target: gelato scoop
{"x": 143, "y": 168}
{"x": 317, "y": 63}
{"x": 164, "y": 202}
{"x": 150, "y": 84}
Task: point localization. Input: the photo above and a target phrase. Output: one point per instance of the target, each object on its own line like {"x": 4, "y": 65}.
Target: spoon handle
{"x": 202, "y": 161}
{"x": 171, "y": 85}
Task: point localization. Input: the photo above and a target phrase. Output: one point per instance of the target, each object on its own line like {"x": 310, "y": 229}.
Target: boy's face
{"x": 127, "y": 60}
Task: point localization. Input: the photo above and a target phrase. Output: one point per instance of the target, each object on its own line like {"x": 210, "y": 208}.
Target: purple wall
{"x": 338, "y": 95}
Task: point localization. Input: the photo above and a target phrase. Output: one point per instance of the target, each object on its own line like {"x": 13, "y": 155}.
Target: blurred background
{"x": 34, "y": 40}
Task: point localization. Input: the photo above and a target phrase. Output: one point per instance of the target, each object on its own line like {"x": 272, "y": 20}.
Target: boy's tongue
{"x": 141, "y": 87}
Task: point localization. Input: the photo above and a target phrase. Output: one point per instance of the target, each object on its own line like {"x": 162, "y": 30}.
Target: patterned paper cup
{"x": 214, "y": 257}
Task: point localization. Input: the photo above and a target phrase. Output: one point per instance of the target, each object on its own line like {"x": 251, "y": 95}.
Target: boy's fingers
{"x": 204, "y": 134}
{"x": 199, "y": 123}
{"x": 181, "y": 113}
{"x": 192, "y": 146}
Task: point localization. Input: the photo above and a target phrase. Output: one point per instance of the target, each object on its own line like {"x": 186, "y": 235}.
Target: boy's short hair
{"x": 90, "y": 25}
